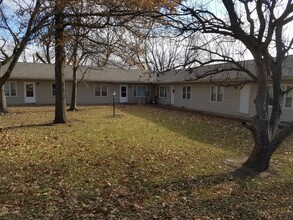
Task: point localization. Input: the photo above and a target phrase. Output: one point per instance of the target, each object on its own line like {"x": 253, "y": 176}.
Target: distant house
{"x": 34, "y": 83}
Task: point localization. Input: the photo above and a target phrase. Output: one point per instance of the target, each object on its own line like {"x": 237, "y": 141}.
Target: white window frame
{"x": 101, "y": 90}
{"x": 283, "y": 87}
{"x": 217, "y": 89}
{"x": 285, "y": 96}
{"x": 134, "y": 91}
{"x": 186, "y": 92}
{"x": 165, "y": 93}
{"x": 9, "y": 88}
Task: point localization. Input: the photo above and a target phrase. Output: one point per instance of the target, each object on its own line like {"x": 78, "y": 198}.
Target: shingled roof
{"x": 191, "y": 75}
{"x": 37, "y": 71}
{"x": 33, "y": 71}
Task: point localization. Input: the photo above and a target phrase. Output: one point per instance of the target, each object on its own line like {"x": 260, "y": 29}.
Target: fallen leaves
{"x": 152, "y": 163}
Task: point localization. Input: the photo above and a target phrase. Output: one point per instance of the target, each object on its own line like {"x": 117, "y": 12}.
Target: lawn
{"x": 146, "y": 163}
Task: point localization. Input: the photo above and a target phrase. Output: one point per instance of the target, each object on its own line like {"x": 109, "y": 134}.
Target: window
{"x": 139, "y": 91}
{"x": 101, "y": 90}
{"x": 217, "y": 93}
{"x": 162, "y": 91}
{"x": 186, "y": 91}
{"x": 288, "y": 98}
{"x": 10, "y": 88}
{"x": 53, "y": 89}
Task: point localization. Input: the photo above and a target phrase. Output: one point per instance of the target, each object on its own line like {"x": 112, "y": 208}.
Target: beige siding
{"x": 44, "y": 93}
{"x": 200, "y": 96}
{"x": 200, "y": 99}
{"x": 19, "y": 98}
{"x": 287, "y": 112}
{"x": 86, "y": 94}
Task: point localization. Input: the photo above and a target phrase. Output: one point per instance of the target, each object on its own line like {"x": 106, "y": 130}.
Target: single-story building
{"x": 180, "y": 89}
{"x": 34, "y": 83}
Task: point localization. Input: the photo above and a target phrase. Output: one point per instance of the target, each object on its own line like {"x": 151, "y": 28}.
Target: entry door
{"x": 123, "y": 94}
{"x": 244, "y": 99}
{"x": 172, "y": 95}
{"x": 29, "y": 92}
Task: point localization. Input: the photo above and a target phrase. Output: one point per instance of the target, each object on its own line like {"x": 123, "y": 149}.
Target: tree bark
{"x": 3, "y": 104}
{"x": 259, "y": 158}
{"x": 60, "y": 97}
{"x": 73, "y": 104}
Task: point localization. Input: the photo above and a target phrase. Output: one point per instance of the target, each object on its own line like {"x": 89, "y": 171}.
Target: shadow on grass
{"x": 213, "y": 130}
{"x": 225, "y": 196}
{"x": 42, "y": 190}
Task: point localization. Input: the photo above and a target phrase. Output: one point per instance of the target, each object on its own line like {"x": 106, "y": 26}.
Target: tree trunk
{"x": 60, "y": 105}
{"x": 3, "y": 104}
{"x": 259, "y": 159}
{"x": 73, "y": 104}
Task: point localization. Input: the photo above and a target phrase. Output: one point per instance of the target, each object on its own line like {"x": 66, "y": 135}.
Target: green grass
{"x": 146, "y": 163}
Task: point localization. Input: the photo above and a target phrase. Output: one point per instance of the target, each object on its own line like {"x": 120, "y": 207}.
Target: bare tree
{"x": 163, "y": 53}
{"x": 97, "y": 15}
{"x": 260, "y": 27}
{"x": 18, "y": 25}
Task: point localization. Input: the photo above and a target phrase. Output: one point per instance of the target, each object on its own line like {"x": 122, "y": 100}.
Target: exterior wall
{"x": 138, "y": 100}
{"x": 200, "y": 96}
{"x": 44, "y": 93}
{"x": 19, "y": 98}
{"x": 287, "y": 114}
{"x": 85, "y": 93}
{"x": 200, "y": 99}
{"x": 167, "y": 99}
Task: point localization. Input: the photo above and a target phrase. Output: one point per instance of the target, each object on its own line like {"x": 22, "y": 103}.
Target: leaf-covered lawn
{"x": 146, "y": 163}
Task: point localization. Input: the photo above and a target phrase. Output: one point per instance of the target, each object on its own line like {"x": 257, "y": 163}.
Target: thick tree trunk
{"x": 3, "y": 104}
{"x": 259, "y": 159}
{"x": 60, "y": 105}
{"x": 73, "y": 104}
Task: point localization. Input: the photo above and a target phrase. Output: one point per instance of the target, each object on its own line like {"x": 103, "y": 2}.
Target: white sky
{"x": 215, "y": 5}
